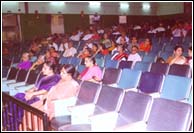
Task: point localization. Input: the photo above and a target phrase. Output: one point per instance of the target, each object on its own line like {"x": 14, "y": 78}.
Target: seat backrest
{"x": 129, "y": 78}
{"x": 100, "y": 62}
{"x": 21, "y": 76}
{"x": 180, "y": 70}
{"x": 161, "y": 68}
{"x": 12, "y": 73}
{"x": 176, "y": 87}
{"x": 168, "y": 115}
{"x": 32, "y": 77}
{"x": 149, "y": 58}
{"x": 88, "y": 92}
{"x": 64, "y": 60}
{"x": 111, "y": 76}
{"x": 108, "y": 100}
{"x": 142, "y": 66}
{"x": 151, "y": 82}
{"x": 125, "y": 64}
{"x": 75, "y": 61}
{"x": 134, "y": 107}
{"x": 111, "y": 64}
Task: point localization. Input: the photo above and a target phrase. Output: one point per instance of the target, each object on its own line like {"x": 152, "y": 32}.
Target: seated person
{"x": 41, "y": 88}
{"x": 67, "y": 87}
{"x": 92, "y": 72}
{"x": 145, "y": 46}
{"x": 134, "y": 56}
{"x": 120, "y": 55}
{"x": 189, "y": 58}
{"x": 84, "y": 53}
{"x": 177, "y": 57}
{"x": 25, "y": 63}
{"x": 70, "y": 51}
{"x": 38, "y": 64}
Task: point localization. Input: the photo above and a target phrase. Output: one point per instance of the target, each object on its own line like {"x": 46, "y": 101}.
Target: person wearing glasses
{"x": 134, "y": 56}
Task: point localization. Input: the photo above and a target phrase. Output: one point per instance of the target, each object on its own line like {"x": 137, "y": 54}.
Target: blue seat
{"x": 75, "y": 61}
{"x": 100, "y": 62}
{"x": 80, "y": 68}
{"x": 111, "y": 64}
{"x": 142, "y": 66}
{"x": 176, "y": 87}
{"x": 151, "y": 82}
{"x": 64, "y": 60}
{"x": 129, "y": 78}
{"x": 149, "y": 58}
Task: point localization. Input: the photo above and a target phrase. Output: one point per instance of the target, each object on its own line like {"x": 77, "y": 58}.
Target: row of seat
{"x": 101, "y": 107}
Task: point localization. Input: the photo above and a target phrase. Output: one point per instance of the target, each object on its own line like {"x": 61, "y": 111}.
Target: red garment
{"x": 120, "y": 56}
{"x": 84, "y": 72}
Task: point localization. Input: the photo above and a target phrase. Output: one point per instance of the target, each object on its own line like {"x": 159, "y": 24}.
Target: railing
{"x": 17, "y": 115}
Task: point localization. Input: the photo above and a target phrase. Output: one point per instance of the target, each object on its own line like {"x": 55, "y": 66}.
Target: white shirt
{"x": 87, "y": 37}
{"x": 134, "y": 57}
{"x": 75, "y": 37}
{"x": 70, "y": 52}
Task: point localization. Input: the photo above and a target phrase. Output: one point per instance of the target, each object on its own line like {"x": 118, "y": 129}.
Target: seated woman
{"x": 145, "y": 46}
{"x": 177, "y": 57}
{"x": 84, "y": 53}
{"x": 25, "y": 63}
{"x": 36, "y": 93}
{"x": 38, "y": 64}
{"x": 43, "y": 85}
{"x": 92, "y": 72}
{"x": 120, "y": 55}
{"x": 67, "y": 87}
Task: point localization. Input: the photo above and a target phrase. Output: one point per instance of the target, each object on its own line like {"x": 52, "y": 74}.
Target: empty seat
{"x": 88, "y": 93}
{"x": 151, "y": 82}
{"x": 167, "y": 115}
{"x": 161, "y": 68}
{"x": 134, "y": 108}
{"x": 111, "y": 64}
{"x": 176, "y": 87}
{"x": 129, "y": 79}
{"x": 125, "y": 64}
{"x": 142, "y": 66}
{"x": 111, "y": 76}
{"x": 180, "y": 70}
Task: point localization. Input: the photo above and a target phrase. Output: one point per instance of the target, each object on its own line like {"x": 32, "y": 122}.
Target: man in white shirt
{"x": 70, "y": 51}
{"x": 134, "y": 56}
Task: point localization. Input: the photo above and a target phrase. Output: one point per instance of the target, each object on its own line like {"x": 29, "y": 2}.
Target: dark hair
{"x": 135, "y": 46}
{"x": 160, "y": 60}
{"x": 52, "y": 66}
{"x": 190, "y": 48}
{"x": 70, "y": 69}
{"x": 176, "y": 47}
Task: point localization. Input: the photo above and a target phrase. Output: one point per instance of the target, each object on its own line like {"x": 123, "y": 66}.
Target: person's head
{"x": 147, "y": 41}
{"x": 134, "y": 49}
{"x": 70, "y": 44}
{"x": 178, "y": 50}
{"x": 49, "y": 68}
{"x": 87, "y": 51}
{"x": 160, "y": 60}
{"x": 120, "y": 48}
{"x": 94, "y": 47}
{"x": 105, "y": 36}
{"x": 25, "y": 56}
{"x": 122, "y": 40}
{"x": 67, "y": 71}
{"x": 190, "y": 51}
{"x": 41, "y": 59}
{"x": 52, "y": 49}
{"x": 89, "y": 61}
{"x": 134, "y": 40}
